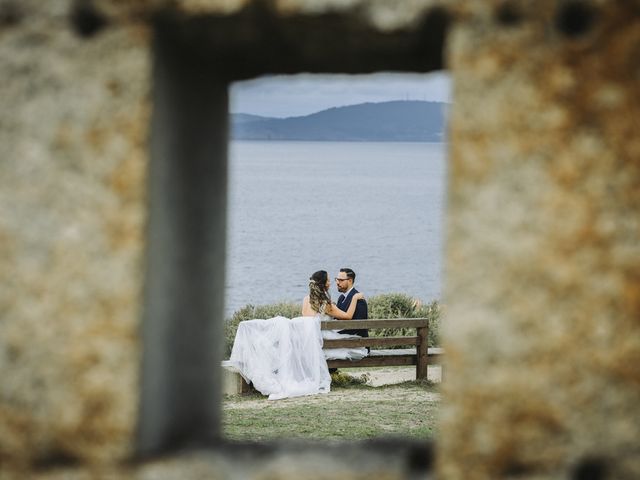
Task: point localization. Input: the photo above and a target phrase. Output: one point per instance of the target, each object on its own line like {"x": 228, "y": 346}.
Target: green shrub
{"x": 399, "y": 305}
{"x": 342, "y": 379}
{"x": 387, "y": 305}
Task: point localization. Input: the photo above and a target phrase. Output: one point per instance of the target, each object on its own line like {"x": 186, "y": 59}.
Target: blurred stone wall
{"x": 73, "y": 134}
{"x": 542, "y": 262}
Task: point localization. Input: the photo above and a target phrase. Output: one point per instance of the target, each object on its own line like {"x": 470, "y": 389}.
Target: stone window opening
{"x": 192, "y": 70}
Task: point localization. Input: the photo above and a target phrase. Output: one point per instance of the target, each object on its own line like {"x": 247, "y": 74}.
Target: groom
{"x": 344, "y": 281}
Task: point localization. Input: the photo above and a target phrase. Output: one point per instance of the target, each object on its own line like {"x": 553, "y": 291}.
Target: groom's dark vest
{"x": 361, "y": 313}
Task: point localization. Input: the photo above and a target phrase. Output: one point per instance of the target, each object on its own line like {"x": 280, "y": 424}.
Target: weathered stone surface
{"x": 72, "y": 140}
{"x": 376, "y": 460}
{"x": 258, "y": 37}
{"x": 543, "y": 261}
{"x": 381, "y": 14}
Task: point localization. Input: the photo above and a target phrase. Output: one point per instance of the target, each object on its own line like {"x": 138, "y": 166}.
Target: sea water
{"x": 298, "y": 207}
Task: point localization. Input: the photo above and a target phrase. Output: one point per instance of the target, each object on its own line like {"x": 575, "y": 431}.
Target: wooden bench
{"x": 417, "y": 354}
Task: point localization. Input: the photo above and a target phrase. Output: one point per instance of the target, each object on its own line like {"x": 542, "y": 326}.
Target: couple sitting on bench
{"x": 283, "y": 357}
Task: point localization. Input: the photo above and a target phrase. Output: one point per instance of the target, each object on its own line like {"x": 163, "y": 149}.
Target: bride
{"x": 318, "y": 302}
{"x": 283, "y": 357}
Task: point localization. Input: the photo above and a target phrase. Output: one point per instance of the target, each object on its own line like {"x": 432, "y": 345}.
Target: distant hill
{"x": 247, "y": 118}
{"x": 396, "y": 121}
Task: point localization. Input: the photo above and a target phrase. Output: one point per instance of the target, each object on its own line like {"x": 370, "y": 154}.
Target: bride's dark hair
{"x": 319, "y": 296}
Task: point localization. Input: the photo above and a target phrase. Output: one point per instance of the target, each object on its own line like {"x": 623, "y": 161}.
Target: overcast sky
{"x": 294, "y": 95}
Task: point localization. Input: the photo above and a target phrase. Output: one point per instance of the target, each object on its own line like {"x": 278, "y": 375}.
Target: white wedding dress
{"x": 283, "y": 357}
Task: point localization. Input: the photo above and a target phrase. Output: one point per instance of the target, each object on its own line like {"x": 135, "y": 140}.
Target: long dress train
{"x": 283, "y": 357}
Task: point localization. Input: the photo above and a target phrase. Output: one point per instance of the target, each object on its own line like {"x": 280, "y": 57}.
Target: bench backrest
{"x": 375, "y": 323}
{"x": 420, "y": 324}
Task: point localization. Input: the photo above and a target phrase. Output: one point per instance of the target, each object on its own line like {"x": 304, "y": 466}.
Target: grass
{"x": 351, "y": 412}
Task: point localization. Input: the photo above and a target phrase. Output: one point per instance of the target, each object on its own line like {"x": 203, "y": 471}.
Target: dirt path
{"x": 391, "y": 375}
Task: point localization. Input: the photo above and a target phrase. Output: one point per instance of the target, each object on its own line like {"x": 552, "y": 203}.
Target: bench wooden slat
{"x": 386, "y": 361}
{"x": 370, "y": 342}
{"x": 434, "y": 352}
{"x": 381, "y": 323}
{"x": 389, "y": 358}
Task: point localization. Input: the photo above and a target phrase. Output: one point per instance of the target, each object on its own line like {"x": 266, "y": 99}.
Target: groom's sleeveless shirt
{"x": 361, "y": 313}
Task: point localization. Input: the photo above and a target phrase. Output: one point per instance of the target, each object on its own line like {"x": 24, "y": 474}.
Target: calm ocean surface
{"x": 298, "y": 207}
